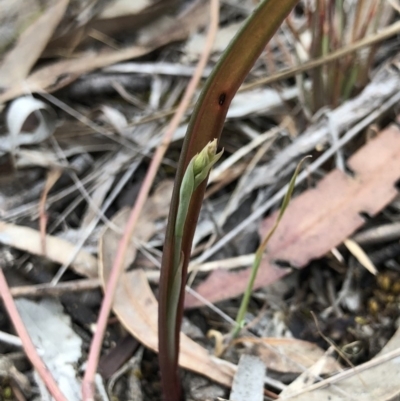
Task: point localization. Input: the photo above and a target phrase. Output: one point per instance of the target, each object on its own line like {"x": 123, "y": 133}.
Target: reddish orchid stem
{"x": 205, "y": 125}
{"x": 27, "y": 343}
{"x": 93, "y": 359}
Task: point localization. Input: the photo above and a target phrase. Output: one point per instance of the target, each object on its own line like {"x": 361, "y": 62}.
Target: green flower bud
{"x": 202, "y": 159}
{"x": 203, "y": 162}
{"x": 195, "y": 174}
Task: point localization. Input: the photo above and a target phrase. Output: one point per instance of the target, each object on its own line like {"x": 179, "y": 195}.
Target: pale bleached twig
{"x": 161, "y": 68}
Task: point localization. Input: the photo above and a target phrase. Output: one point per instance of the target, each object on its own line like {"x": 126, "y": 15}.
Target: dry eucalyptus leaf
{"x": 289, "y": 355}
{"x": 61, "y": 73}
{"x": 265, "y": 101}
{"x": 126, "y": 16}
{"x": 157, "y": 206}
{"x": 14, "y": 17}
{"x": 137, "y": 309}
{"x": 58, "y": 250}
{"x": 18, "y": 61}
{"x": 32, "y": 158}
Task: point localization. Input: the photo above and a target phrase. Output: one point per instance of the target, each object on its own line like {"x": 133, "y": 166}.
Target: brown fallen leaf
{"x": 21, "y": 58}
{"x": 134, "y": 302}
{"x": 137, "y": 309}
{"x": 119, "y": 16}
{"x": 108, "y": 245}
{"x": 57, "y": 249}
{"x": 289, "y": 355}
{"x": 155, "y": 208}
{"x": 61, "y": 73}
{"x": 319, "y": 219}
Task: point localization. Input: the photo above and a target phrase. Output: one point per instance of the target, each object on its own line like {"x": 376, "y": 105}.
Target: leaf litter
{"x": 324, "y": 217}
{"x": 74, "y": 44}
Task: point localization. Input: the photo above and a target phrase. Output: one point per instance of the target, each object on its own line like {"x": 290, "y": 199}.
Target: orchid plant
{"x": 197, "y": 156}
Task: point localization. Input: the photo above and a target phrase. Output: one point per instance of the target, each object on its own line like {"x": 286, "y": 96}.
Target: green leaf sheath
{"x": 185, "y": 195}
{"x": 197, "y": 171}
{"x": 206, "y": 124}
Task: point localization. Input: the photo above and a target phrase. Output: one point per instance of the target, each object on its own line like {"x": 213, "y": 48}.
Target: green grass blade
{"x": 260, "y": 251}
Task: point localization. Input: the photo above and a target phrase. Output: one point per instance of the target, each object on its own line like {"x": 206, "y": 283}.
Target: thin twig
{"x": 391, "y": 30}
{"x": 50, "y": 290}
{"x": 27, "y": 343}
{"x": 92, "y": 225}
{"x": 87, "y": 384}
{"x": 52, "y": 177}
{"x": 89, "y": 123}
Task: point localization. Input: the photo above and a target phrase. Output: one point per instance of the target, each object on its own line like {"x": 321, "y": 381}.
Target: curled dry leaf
{"x": 134, "y": 302}
{"x": 18, "y": 116}
{"x": 319, "y": 219}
